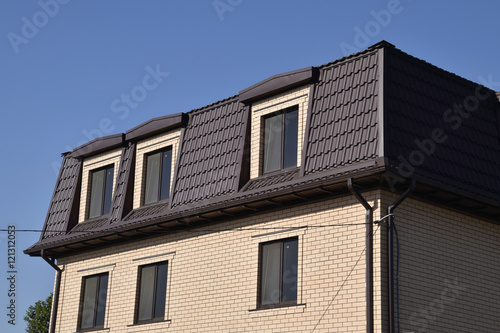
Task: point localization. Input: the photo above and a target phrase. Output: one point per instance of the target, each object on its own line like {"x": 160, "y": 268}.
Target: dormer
{"x": 157, "y": 148}
{"x": 279, "y": 107}
{"x": 100, "y": 163}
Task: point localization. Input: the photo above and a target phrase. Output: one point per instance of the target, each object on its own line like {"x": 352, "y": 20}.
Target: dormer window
{"x": 158, "y": 172}
{"x": 98, "y": 181}
{"x": 154, "y": 168}
{"x": 280, "y": 139}
{"x": 101, "y": 191}
{"x": 277, "y": 134}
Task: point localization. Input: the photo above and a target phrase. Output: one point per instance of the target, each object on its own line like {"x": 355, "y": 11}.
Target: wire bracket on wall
{"x": 382, "y": 218}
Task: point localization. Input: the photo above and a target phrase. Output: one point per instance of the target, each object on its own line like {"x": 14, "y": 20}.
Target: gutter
{"x": 332, "y": 178}
{"x": 55, "y": 297}
{"x": 369, "y": 256}
{"x": 390, "y": 230}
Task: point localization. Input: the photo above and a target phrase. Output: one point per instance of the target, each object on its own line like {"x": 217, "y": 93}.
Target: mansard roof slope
{"x": 380, "y": 116}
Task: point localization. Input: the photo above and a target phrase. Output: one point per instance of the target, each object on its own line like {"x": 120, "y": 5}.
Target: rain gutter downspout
{"x": 55, "y": 297}
{"x": 390, "y": 213}
{"x": 369, "y": 256}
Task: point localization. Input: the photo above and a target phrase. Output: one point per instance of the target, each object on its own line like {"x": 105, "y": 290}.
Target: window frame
{"x": 300, "y": 96}
{"x": 283, "y": 136}
{"x": 89, "y": 164}
{"x": 161, "y": 175}
{"x": 104, "y": 190}
{"x": 96, "y": 304}
{"x": 280, "y": 303}
{"x": 153, "y": 318}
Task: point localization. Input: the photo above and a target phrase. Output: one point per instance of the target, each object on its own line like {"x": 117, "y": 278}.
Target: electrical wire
{"x": 245, "y": 229}
{"x": 343, "y": 283}
{"x": 185, "y": 230}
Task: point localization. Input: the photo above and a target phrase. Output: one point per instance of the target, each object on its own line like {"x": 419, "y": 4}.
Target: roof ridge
{"x": 370, "y": 49}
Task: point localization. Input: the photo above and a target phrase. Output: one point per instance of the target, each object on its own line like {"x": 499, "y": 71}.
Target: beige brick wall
{"x": 170, "y": 138}
{"x": 212, "y": 282}
{"x": 93, "y": 163}
{"x": 448, "y": 272}
{"x": 298, "y": 96}
{"x": 449, "y": 269}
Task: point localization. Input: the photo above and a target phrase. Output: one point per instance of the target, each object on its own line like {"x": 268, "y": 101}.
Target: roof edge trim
{"x": 99, "y": 145}
{"x": 156, "y": 125}
{"x": 278, "y": 83}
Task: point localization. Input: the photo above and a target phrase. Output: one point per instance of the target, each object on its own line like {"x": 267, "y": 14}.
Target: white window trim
{"x": 149, "y": 145}
{"x": 260, "y": 238}
{"x": 152, "y": 326}
{"x": 83, "y": 273}
{"x": 298, "y": 96}
{"x": 93, "y": 163}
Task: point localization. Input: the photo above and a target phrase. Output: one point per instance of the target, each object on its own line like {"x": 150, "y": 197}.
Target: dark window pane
{"x": 278, "y": 284}
{"x": 270, "y": 281}
{"x": 146, "y": 293}
{"x": 290, "y": 260}
{"x": 152, "y": 178}
{"x": 96, "y": 193}
{"x": 101, "y": 300}
{"x": 165, "y": 174}
{"x": 272, "y": 142}
{"x": 89, "y": 302}
{"x": 290, "y": 139}
{"x": 161, "y": 290}
{"x": 108, "y": 190}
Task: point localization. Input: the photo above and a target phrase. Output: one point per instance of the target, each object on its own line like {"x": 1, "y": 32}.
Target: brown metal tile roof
{"x": 123, "y": 193}
{"x": 90, "y": 225}
{"x": 156, "y": 125}
{"x": 343, "y": 120}
{"x": 146, "y": 211}
{"x": 351, "y": 131}
{"x": 268, "y": 180}
{"x": 210, "y": 157}
{"x": 99, "y": 145}
{"x": 66, "y": 195}
{"x": 420, "y": 98}
{"x": 277, "y": 83}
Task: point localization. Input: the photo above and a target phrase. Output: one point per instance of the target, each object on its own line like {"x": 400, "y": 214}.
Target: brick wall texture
{"x": 449, "y": 269}
{"x": 448, "y": 266}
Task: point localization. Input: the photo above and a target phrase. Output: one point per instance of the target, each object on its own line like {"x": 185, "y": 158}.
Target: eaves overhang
{"x": 313, "y": 187}
{"x": 99, "y": 145}
{"x": 278, "y": 83}
{"x": 156, "y": 125}
{"x": 458, "y": 199}
{"x": 368, "y": 175}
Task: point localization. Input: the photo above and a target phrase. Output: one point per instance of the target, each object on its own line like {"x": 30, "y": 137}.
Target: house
{"x": 362, "y": 195}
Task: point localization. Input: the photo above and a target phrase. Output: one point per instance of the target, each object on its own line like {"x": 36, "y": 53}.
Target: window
{"x": 152, "y": 292}
{"x": 278, "y": 272}
{"x": 158, "y": 169}
{"x": 280, "y": 139}
{"x": 93, "y": 305}
{"x": 101, "y": 191}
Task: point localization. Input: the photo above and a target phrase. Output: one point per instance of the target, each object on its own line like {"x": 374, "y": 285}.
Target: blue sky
{"x": 74, "y": 70}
